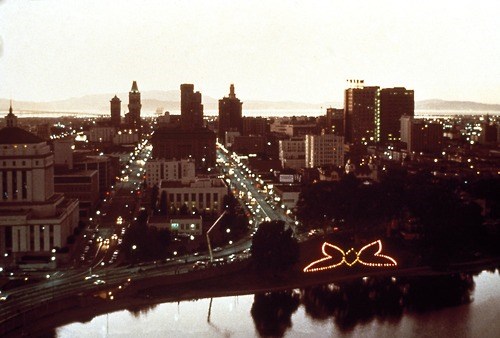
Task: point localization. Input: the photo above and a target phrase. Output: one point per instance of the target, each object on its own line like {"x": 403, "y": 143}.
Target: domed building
{"x": 33, "y": 218}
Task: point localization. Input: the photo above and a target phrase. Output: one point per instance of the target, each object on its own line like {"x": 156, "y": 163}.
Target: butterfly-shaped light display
{"x": 334, "y": 256}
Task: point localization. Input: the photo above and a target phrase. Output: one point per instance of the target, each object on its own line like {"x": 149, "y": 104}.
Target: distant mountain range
{"x": 455, "y": 105}
{"x": 170, "y": 100}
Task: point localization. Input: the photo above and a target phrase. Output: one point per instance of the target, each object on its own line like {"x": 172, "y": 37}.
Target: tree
{"x": 313, "y": 205}
{"x": 451, "y": 226}
{"x": 229, "y": 203}
{"x": 274, "y": 247}
{"x": 142, "y": 242}
{"x": 272, "y": 312}
{"x": 358, "y": 205}
{"x": 184, "y": 210}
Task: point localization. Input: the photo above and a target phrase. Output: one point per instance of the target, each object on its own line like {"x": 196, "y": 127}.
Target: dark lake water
{"x": 446, "y": 306}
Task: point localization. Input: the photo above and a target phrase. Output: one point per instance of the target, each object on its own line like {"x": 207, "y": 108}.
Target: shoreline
{"x": 150, "y": 292}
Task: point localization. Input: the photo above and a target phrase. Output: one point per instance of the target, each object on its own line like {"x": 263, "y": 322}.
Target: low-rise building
{"x": 201, "y": 195}
{"x": 79, "y": 184}
{"x": 105, "y": 165}
{"x": 126, "y": 136}
{"x": 288, "y": 195}
{"x": 102, "y": 134}
{"x": 179, "y": 224}
{"x": 254, "y": 144}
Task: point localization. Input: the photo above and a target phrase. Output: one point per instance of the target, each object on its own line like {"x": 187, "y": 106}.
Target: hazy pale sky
{"x": 270, "y": 50}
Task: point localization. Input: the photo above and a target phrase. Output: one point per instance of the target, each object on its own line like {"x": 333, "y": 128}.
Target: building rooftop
{"x": 175, "y": 132}
{"x": 167, "y": 219}
{"x": 288, "y": 188}
{"x": 15, "y": 135}
{"x": 198, "y": 183}
{"x": 63, "y": 171}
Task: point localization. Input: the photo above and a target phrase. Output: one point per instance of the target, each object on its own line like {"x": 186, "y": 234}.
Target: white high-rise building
{"x": 169, "y": 170}
{"x": 292, "y": 152}
{"x": 324, "y": 149}
{"x": 33, "y": 219}
{"x": 405, "y": 129}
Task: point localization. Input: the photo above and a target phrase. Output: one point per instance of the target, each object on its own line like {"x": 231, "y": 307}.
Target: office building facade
{"x": 361, "y": 109}
{"x": 324, "y": 150}
{"x": 394, "y": 103}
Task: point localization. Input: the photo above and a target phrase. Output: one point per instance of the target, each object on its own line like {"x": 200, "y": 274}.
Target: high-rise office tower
{"x": 334, "y": 121}
{"x": 191, "y": 108}
{"x": 361, "y": 106}
{"x": 134, "y": 105}
{"x": 394, "y": 103}
{"x": 115, "y": 107}
{"x": 230, "y": 114}
{"x": 192, "y": 140}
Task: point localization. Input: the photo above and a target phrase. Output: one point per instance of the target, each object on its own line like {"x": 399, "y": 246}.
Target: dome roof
{"x": 15, "y": 135}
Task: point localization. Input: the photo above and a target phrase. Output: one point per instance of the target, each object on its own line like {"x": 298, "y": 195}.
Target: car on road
{"x": 99, "y": 282}
{"x": 314, "y": 233}
{"x": 199, "y": 265}
{"x": 217, "y": 262}
{"x": 217, "y": 249}
{"x": 91, "y": 277}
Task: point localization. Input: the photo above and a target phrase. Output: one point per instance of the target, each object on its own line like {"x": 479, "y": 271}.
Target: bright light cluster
{"x": 319, "y": 265}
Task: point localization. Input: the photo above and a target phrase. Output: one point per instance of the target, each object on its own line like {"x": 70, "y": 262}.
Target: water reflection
{"x": 138, "y": 311}
{"x": 417, "y": 306}
{"x": 360, "y": 301}
{"x": 272, "y": 312}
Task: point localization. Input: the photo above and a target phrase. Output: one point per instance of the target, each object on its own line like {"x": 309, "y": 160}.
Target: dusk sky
{"x": 271, "y": 50}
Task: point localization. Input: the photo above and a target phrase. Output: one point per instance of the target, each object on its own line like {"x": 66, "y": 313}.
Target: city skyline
{"x": 274, "y": 51}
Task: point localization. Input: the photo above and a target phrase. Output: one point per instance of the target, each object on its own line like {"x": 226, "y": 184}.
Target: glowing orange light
{"x": 337, "y": 257}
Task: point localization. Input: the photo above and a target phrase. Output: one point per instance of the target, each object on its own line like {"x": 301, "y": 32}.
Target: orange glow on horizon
{"x": 319, "y": 265}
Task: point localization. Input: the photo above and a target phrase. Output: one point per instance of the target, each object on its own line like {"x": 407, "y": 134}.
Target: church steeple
{"x": 134, "y": 88}
{"x": 10, "y": 118}
{"x": 232, "y": 95}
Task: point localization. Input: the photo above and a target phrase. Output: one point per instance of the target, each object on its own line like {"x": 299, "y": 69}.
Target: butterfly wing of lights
{"x": 333, "y": 256}
{"x": 370, "y": 255}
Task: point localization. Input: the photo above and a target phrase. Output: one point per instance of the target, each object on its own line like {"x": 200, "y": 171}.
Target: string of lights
{"x": 319, "y": 265}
